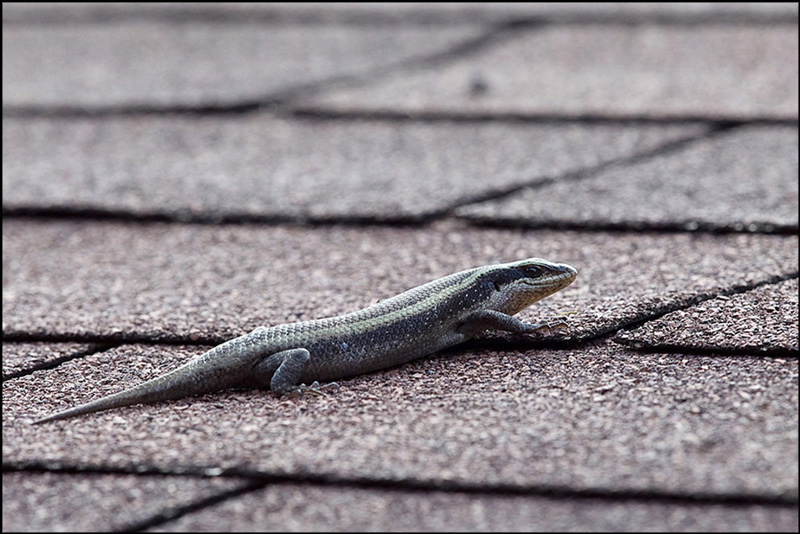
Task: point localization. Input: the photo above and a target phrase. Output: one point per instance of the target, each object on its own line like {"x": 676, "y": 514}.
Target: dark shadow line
{"x": 661, "y": 348}
{"x": 86, "y": 213}
{"x": 52, "y": 364}
{"x": 491, "y": 34}
{"x": 185, "y": 216}
{"x": 320, "y": 112}
{"x": 69, "y": 111}
{"x": 650, "y": 227}
{"x": 736, "y": 289}
{"x": 416, "y": 485}
{"x": 343, "y": 17}
{"x": 165, "y": 516}
{"x": 110, "y": 340}
{"x": 279, "y": 104}
{"x": 666, "y": 148}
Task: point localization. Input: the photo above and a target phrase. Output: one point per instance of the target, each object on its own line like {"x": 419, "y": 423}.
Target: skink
{"x": 413, "y": 324}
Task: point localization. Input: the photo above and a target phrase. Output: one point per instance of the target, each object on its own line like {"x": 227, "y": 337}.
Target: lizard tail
{"x": 222, "y": 367}
{"x": 141, "y": 394}
{"x": 172, "y": 385}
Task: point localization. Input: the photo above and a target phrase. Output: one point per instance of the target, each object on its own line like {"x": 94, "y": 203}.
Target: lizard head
{"x": 519, "y": 284}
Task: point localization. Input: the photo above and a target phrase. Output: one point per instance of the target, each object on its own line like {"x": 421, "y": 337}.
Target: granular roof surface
{"x": 175, "y": 175}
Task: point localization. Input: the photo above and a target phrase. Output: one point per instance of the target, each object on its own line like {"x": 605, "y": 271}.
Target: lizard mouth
{"x": 559, "y": 276}
{"x": 548, "y": 280}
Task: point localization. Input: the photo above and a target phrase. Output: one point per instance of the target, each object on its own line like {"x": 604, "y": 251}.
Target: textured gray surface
{"x": 61, "y": 502}
{"x": 167, "y": 281}
{"x": 599, "y": 419}
{"x": 303, "y": 508}
{"x": 742, "y": 179}
{"x": 695, "y": 438}
{"x": 574, "y": 71}
{"x": 265, "y": 167}
{"x": 19, "y": 357}
{"x": 762, "y": 320}
{"x": 156, "y": 65}
{"x": 403, "y": 11}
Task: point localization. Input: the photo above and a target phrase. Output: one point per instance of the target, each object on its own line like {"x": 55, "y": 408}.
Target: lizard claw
{"x": 558, "y": 322}
{"x": 315, "y": 389}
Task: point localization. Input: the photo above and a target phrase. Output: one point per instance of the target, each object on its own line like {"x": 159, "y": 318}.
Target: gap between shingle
{"x": 52, "y": 364}
{"x": 107, "y": 342}
{"x": 493, "y": 33}
{"x": 714, "y": 129}
{"x": 667, "y": 309}
{"x": 383, "y": 18}
{"x": 413, "y": 485}
{"x": 171, "y": 514}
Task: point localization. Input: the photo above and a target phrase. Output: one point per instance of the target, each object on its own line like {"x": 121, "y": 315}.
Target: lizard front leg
{"x": 483, "y": 320}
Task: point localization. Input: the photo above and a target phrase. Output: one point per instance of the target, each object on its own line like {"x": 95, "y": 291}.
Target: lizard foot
{"x": 315, "y": 389}
{"x": 556, "y": 323}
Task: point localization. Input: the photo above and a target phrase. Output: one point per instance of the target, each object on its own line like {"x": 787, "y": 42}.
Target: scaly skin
{"x": 418, "y": 322}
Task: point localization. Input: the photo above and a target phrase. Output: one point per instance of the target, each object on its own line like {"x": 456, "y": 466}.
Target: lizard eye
{"x": 533, "y": 270}
{"x": 497, "y": 285}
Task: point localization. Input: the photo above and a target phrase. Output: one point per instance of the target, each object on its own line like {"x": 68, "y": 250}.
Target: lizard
{"x": 411, "y": 325}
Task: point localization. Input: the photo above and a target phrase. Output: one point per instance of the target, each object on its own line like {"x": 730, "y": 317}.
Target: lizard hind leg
{"x": 282, "y": 371}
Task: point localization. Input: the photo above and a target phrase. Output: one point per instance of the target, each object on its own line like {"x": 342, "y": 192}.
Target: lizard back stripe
{"x": 406, "y": 306}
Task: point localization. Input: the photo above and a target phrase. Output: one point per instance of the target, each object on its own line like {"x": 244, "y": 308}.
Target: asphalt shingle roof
{"x": 728, "y": 324}
{"x": 196, "y": 64}
{"x": 743, "y": 179}
{"x": 100, "y": 280}
{"x": 260, "y": 167}
{"x": 660, "y": 423}
{"x": 722, "y": 72}
{"x": 177, "y": 174}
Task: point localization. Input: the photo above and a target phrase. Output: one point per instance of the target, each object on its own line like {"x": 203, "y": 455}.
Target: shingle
{"x": 261, "y": 167}
{"x": 597, "y": 419}
{"x": 68, "y": 502}
{"x": 643, "y": 71}
{"x": 761, "y": 320}
{"x": 95, "y": 279}
{"x": 162, "y": 65}
{"x": 744, "y": 179}
{"x": 520, "y": 432}
{"x": 19, "y": 357}
{"x": 314, "y": 508}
